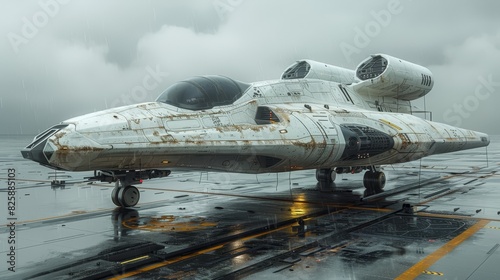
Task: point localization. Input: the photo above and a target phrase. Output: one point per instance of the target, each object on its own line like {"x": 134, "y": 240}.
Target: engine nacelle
{"x": 311, "y": 69}
{"x": 386, "y": 76}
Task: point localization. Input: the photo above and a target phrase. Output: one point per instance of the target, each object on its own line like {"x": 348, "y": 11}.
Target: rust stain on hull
{"x": 307, "y": 145}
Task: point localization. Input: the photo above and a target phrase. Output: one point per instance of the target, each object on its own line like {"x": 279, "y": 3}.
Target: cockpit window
{"x": 203, "y": 92}
{"x": 297, "y": 71}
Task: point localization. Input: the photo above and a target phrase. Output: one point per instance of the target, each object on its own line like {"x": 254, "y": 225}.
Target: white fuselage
{"x": 304, "y": 132}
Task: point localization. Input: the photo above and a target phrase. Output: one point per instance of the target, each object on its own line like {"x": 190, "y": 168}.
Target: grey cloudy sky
{"x": 63, "y": 58}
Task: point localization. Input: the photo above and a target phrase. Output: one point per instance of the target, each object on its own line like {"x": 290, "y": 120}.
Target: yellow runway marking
{"x": 428, "y": 261}
{"x": 136, "y": 259}
{"x": 493, "y": 227}
{"x": 433, "y": 273}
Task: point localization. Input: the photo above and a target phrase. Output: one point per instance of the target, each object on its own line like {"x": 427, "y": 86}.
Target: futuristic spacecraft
{"x": 317, "y": 116}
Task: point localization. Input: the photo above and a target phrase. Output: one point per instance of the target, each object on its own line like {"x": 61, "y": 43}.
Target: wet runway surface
{"x": 435, "y": 219}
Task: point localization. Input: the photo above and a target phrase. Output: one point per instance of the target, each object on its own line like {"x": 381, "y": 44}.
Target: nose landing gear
{"x": 125, "y": 194}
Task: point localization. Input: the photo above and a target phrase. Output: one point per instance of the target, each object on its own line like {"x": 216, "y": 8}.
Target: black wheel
{"x": 128, "y": 196}
{"x": 325, "y": 175}
{"x": 333, "y": 175}
{"x": 368, "y": 180}
{"x": 374, "y": 180}
{"x": 379, "y": 179}
{"x": 114, "y": 196}
{"x": 318, "y": 175}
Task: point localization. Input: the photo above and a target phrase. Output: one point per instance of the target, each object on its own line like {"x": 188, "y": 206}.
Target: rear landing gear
{"x": 374, "y": 180}
{"x": 124, "y": 194}
{"x": 325, "y": 178}
{"x": 326, "y": 175}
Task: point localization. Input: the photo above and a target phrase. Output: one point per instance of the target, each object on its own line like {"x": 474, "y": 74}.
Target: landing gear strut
{"x": 124, "y": 194}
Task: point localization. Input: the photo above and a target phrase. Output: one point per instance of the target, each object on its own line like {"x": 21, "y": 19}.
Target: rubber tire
{"x": 326, "y": 175}
{"x": 128, "y": 196}
{"x": 114, "y": 196}
{"x": 374, "y": 180}
{"x": 333, "y": 175}
{"x": 368, "y": 180}
{"x": 378, "y": 179}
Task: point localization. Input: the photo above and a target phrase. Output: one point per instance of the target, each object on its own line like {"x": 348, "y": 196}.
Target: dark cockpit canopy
{"x": 203, "y": 92}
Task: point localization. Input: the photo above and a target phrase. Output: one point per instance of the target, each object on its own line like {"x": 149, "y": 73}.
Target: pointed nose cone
{"x": 62, "y": 147}
{"x": 38, "y": 150}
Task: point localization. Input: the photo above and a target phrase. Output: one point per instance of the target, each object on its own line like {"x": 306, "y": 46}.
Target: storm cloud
{"x": 62, "y": 58}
